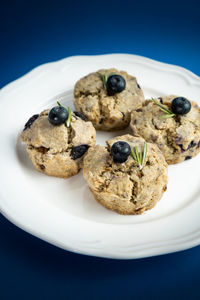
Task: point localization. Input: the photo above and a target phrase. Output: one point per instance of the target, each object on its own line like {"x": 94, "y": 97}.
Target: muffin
{"x": 58, "y": 149}
{"x": 122, "y": 183}
{"x": 176, "y": 134}
{"x": 107, "y": 97}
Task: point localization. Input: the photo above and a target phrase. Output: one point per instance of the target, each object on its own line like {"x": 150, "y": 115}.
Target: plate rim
{"x": 122, "y": 55}
{"x": 34, "y": 72}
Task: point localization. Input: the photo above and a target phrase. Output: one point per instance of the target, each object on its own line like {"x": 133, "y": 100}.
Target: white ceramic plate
{"x": 63, "y": 211}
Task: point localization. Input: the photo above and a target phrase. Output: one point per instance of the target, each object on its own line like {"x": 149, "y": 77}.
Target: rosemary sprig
{"x": 144, "y": 153}
{"x": 138, "y": 156}
{"x": 68, "y": 122}
{"x": 104, "y": 77}
{"x": 168, "y": 112}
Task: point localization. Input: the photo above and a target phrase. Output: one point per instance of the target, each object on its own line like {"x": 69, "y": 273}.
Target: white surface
{"x": 63, "y": 211}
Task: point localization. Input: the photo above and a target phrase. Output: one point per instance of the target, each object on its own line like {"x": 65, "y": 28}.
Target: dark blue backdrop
{"x": 35, "y": 32}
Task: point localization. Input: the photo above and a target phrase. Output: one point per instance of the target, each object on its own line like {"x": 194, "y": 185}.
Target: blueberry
{"x": 180, "y": 106}
{"x": 191, "y": 145}
{"x": 78, "y": 114}
{"x": 188, "y": 157}
{"x": 78, "y": 151}
{"x": 120, "y": 151}
{"x": 182, "y": 149}
{"x": 30, "y": 121}
{"x": 58, "y": 115}
{"x": 115, "y": 84}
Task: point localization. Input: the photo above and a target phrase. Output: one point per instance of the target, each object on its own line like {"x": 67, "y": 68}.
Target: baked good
{"x": 107, "y": 97}
{"x": 178, "y": 136}
{"x": 57, "y": 150}
{"x": 125, "y": 187}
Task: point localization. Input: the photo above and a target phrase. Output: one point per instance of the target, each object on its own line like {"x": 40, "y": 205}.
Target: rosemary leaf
{"x": 168, "y": 112}
{"x": 167, "y": 116}
{"x": 162, "y": 107}
{"x": 69, "y": 116}
{"x": 59, "y": 103}
{"x": 104, "y": 77}
{"x": 138, "y": 156}
{"x": 144, "y": 154}
{"x": 165, "y": 110}
{"x": 133, "y": 155}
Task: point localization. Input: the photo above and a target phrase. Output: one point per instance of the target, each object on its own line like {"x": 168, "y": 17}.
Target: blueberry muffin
{"x": 129, "y": 176}
{"x": 172, "y": 123}
{"x": 57, "y": 141}
{"x": 107, "y": 97}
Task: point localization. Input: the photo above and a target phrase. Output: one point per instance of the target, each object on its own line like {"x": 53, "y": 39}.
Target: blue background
{"x": 35, "y": 32}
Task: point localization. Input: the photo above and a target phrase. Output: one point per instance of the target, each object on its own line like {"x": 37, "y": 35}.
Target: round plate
{"x": 63, "y": 211}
